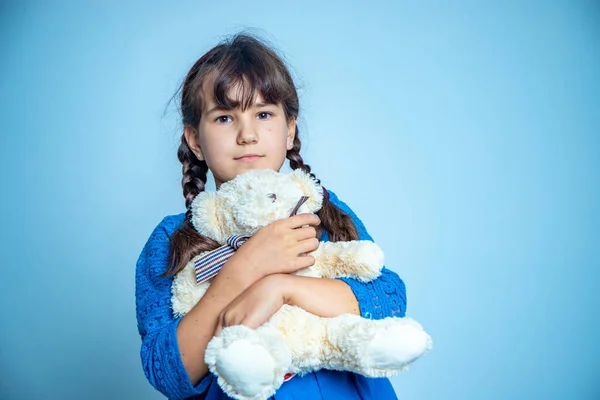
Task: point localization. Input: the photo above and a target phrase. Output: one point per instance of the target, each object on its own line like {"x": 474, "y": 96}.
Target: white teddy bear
{"x": 251, "y": 364}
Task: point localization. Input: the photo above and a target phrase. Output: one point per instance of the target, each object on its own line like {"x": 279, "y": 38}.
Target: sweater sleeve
{"x": 161, "y": 359}
{"x": 382, "y": 297}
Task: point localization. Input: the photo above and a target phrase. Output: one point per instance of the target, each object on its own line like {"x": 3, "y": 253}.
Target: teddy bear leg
{"x": 249, "y": 364}
{"x": 378, "y": 348}
{"x": 397, "y": 343}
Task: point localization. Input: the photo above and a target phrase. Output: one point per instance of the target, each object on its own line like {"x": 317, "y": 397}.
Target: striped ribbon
{"x": 209, "y": 265}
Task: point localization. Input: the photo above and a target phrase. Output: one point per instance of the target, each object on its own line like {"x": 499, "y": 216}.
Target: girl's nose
{"x": 247, "y": 134}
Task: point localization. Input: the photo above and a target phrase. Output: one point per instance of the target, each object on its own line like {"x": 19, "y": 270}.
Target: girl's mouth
{"x": 248, "y": 158}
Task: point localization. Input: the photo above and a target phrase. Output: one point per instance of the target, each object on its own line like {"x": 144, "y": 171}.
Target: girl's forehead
{"x": 235, "y": 93}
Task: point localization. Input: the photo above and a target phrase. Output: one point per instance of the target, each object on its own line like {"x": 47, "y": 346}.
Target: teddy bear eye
{"x": 272, "y": 196}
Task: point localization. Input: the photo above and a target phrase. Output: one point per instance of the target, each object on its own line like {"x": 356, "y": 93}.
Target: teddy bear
{"x": 251, "y": 364}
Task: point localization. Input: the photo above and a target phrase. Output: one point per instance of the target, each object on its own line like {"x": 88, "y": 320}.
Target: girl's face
{"x": 232, "y": 142}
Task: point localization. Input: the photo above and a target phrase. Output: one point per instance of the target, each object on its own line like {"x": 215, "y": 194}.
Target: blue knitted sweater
{"x": 161, "y": 359}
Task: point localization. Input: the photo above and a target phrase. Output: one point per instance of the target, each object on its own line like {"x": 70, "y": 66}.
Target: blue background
{"x": 466, "y": 136}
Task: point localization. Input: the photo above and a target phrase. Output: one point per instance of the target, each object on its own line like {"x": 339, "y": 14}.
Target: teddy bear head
{"x": 253, "y": 200}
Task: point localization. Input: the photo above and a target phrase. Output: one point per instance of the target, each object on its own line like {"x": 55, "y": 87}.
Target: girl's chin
{"x": 253, "y": 166}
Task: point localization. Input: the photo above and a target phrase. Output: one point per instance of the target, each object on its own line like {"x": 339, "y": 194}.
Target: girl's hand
{"x": 279, "y": 247}
{"x": 256, "y": 304}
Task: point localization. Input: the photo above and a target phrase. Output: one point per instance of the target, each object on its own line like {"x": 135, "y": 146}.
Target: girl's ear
{"x": 191, "y": 137}
{"x": 310, "y": 188}
{"x": 291, "y": 133}
{"x": 204, "y": 215}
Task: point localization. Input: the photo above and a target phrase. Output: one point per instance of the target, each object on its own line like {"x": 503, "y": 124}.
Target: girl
{"x": 239, "y": 107}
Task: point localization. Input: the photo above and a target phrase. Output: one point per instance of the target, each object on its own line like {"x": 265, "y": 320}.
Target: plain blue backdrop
{"x": 466, "y": 136}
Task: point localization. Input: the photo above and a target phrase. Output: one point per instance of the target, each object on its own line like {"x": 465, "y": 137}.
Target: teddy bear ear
{"x": 204, "y": 214}
{"x": 310, "y": 188}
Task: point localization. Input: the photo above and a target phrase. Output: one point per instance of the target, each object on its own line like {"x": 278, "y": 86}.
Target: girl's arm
{"x": 173, "y": 350}
{"x": 380, "y": 298}
{"x": 319, "y": 296}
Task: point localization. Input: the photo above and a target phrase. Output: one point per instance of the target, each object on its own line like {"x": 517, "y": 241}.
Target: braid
{"x": 186, "y": 242}
{"x": 338, "y": 224}
{"x": 194, "y": 172}
{"x": 296, "y": 160}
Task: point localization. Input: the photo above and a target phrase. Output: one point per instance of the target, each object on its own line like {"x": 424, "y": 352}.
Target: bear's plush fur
{"x": 251, "y": 364}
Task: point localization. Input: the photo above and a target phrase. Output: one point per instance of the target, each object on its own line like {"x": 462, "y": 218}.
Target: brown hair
{"x": 247, "y": 61}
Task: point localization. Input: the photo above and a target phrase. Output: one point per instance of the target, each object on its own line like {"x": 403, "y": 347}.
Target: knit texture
{"x": 383, "y": 297}
{"x": 161, "y": 359}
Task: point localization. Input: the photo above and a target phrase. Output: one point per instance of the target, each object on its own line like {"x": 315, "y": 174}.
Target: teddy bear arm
{"x": 185, "y": 292}
{"x": 358, "y": 259}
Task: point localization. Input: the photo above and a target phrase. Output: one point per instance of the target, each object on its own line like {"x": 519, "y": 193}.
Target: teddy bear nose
{"x": 272, "y": 196}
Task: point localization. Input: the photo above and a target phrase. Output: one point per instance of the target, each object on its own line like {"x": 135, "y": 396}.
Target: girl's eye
{"x": 264, "y": 115}
{"x": 222, "y": 119}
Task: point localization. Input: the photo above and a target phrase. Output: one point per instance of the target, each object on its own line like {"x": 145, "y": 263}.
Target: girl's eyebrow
{"x": 264, "y": 104}
{"x": 219, "y": 108}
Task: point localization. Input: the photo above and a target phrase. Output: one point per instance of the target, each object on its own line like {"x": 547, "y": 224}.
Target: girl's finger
{"x": 298, "y": 221}
{"x": 307, "y": 246}
{"x": 304, "y": 261}
{"x": 301, "y": 234}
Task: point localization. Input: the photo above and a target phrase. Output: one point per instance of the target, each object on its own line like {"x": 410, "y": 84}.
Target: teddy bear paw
{"x": 249, "y": 365}
{"x": 402, "y": 342}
